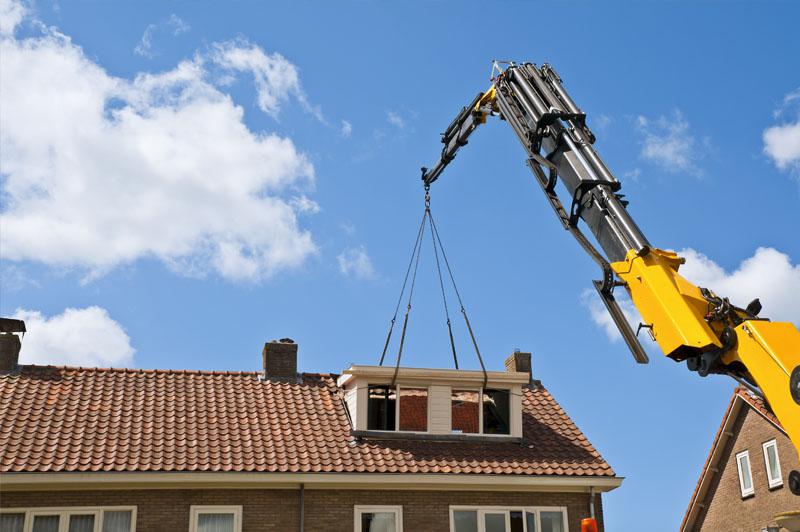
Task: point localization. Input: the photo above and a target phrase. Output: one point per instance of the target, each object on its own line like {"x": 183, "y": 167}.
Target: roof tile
{"x": 96, "y": 419}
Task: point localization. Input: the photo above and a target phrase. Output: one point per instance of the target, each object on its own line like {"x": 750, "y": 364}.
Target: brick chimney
{"x": 520, "y": 362}
{"x": 10, "y": 343}
{"x": 280, "y": 360}
{"x": 9, "y": 352}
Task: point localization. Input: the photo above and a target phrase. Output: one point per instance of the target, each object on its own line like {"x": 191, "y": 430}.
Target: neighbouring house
{"x": 369, "y": 450}
{"x": 744, "y": 482}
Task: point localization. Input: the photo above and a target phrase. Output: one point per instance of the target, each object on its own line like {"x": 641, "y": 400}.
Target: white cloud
{"x": 100, "y": 171}
{"x": 79, "y": 337}
{"x": 11, "y": 15}
{"x": 348, "y": 228}
{"x": 174, "y": 23}
{"x": 395, "y": 119}
{"x": 347, "y": 129}
{"x": 601, "y": 317}
{"x": 276, "y": 79}
{"x": 632, "y": 175}
{"x": 356, "y": 263}
{"x": 601, "y": 122}
{"x": 768, "y": 275}
{"x": 782, "y": 142}
{"x": 177, "y": 24}
{"x": 668, "y": 143}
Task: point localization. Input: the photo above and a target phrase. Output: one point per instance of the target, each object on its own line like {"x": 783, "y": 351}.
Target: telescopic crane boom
{"x": 688, "y": 323}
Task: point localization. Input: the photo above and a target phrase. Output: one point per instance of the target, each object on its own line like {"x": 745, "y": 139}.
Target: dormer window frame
{"x": 356, "y": 383}
{"x": 397, "y": 405}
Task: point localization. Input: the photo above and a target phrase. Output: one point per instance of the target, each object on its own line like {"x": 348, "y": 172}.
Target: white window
{"x": 507, "y": 519}
{"x": 773, "y": 464}
{"x": 93, "y": 519}
{"x": 385, "y": 412}
{"x": 483, "y": 411}
{"x": 378, "y": 519}
{"x": 215, "y": 519}
{"x": 745, "y": 476}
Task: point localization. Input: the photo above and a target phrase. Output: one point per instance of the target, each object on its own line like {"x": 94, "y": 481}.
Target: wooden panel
{"x": 439, "y": 404}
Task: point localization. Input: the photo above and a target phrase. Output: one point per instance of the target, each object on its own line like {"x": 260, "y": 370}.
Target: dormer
{"x": 440, "y": 404}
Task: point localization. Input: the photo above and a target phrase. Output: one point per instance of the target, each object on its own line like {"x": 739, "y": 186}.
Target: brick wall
{"x": 724, "y": 507}
{"x": 278, "y": 510}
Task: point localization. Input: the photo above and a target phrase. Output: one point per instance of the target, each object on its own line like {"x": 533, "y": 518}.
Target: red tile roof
{"x": 89, "y": 419}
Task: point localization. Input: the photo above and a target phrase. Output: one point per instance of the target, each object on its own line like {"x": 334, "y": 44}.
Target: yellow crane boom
{"x": 688, "y": 322}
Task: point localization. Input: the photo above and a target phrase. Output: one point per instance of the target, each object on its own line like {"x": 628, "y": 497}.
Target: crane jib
{"x": 688, "y": 323}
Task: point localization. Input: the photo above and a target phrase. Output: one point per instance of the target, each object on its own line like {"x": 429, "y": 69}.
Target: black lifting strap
{"x": 410, "y": 294}
{"x": 441, "y": 284}
{"x": 435, "y": 231}
{"x": 400, "y": 299}
{"x": 415, "y": 253}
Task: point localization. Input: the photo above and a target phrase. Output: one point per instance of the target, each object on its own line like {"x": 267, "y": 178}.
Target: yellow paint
{"x": 770, "y": 351}
{"x": 669, "y": 302}
{"x": 488, "y": 97}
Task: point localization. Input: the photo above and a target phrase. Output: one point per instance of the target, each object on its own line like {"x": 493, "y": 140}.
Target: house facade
{"x": 744, "y": 483}
{"x": 373, "y": 449}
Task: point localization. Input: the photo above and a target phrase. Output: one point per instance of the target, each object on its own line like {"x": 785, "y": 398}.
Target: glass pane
{"x": 414, "y": 409}
{"x": 377, "y": 522}
{"x": 45, "y": 523}
{"x": 381, "y": 408}
{"x": 747, "y": 481}
{"x": 81, "y": 523}
{"x": 15, "y": 522}
{"x": 464, "y": 411}
{"x": 496, "y": 412}
{"x": 530, "y": 520}
{"x": 495, "y": 522}
{"x": 516, "y": 521}
{"x": 214, "y": 522}
{"x": 465, "y": 520}
{"x": 117, "y": 521}
{"x": 772, "y": 457}
{"x": 552, "y": 521}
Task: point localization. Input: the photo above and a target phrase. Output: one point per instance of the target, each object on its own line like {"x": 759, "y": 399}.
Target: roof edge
{"x": 740, "y": 397}
{"x": 393, "y": 481}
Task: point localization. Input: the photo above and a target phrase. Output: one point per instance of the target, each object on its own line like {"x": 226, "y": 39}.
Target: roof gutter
{"x": 246, "y": 480}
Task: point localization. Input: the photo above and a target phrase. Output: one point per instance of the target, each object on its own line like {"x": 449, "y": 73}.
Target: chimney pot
{"x": 280, "y": 360}
{"x": 520, "y": 362}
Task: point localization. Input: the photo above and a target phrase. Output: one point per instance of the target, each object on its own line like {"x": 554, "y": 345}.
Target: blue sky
{"x": 183, "y": 181}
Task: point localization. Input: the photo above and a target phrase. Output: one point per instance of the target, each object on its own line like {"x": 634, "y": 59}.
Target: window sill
{"x": 417, "y": 436}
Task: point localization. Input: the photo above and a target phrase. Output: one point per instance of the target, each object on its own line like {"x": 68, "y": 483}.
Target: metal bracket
{"x": 622, "y": 324}
{"x": 583, "y": 188}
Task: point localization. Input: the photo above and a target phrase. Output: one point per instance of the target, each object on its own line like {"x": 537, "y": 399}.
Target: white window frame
{"x": 483, "y": 510}
{"x": 397, "y": 398}
{"x": 64, "y": 512}
{"x": 368, "y": 509}
{"x": 196, "y": 510}
{"x": 751, "y": 490}
{"x": 480, "y": 411}
{"x": 510, "y": 415}
{"x": 773, "y": 482}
